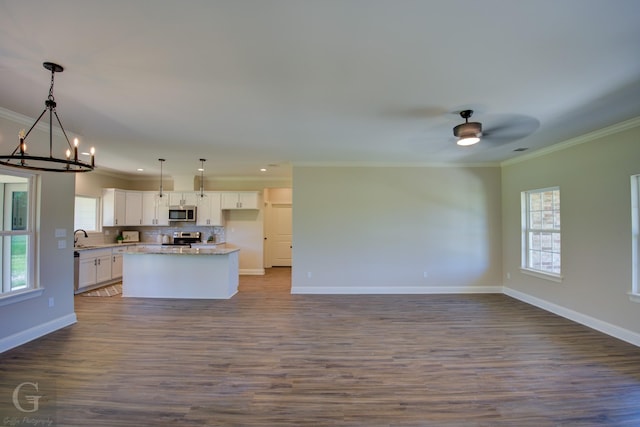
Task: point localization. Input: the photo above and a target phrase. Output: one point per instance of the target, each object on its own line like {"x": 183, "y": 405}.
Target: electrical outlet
{"x": 62, "y": 244}
{"x": 51, "y": 302}
{"x": 61, "y": 232}
{"x": 425, "y": 274}
{"x": 508, "y": 276}
{"x": 308, "y": 275}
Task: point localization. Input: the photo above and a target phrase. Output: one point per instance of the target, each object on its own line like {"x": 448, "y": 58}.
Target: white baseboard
{"x": 37, "y": 331}
{"x": 380, "y": 290}
{"x": 591, "y": 322}
{"x": 251, "y": 271}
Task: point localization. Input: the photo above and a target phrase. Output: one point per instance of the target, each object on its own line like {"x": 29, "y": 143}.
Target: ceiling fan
{"x": 468, "y": 133}
{"x": 509, "y": 128}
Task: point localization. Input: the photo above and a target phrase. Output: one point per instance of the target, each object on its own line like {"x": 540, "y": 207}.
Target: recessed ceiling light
{"x": 140, "y": 170}
{"x": 263, "y": 170}
{"x": 200, "y": 170}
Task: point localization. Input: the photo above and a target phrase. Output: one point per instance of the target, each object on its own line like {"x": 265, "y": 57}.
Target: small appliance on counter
{"x": 130, "y": 236}
{"x": 184, "y": 238}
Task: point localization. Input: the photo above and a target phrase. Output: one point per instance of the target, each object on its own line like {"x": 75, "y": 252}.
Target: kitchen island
{"x": 180, "y": 272}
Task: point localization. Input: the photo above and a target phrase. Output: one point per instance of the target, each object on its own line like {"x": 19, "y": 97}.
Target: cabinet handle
{"x": 114, "y": 258}
{"x": 95, "y": 262}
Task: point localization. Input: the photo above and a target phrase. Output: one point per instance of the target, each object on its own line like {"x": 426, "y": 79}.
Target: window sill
{"x": 542, "y": 275}
{"x": 633, "y": 297}
{"x": 20, "y": 296}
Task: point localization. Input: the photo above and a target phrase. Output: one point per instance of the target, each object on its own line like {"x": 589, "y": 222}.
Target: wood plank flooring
{"x": 268, "y": 358}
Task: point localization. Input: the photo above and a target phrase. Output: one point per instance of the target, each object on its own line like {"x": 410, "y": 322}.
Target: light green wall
{"x": 368, "y": 228}
{"x": 594, "y": 181}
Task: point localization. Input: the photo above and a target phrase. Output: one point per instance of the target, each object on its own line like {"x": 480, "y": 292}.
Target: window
{"x": 17, "y": 235}
{"x": 541, "y": 232}
{"x": 635, "y": 238}
{"x": 86, "y": 213}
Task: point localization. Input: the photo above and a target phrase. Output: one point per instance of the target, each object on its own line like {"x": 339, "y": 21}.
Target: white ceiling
{"x": 252, "y": 83}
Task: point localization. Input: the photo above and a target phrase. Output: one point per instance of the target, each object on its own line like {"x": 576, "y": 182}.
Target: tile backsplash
{"x": 151, "y": 234}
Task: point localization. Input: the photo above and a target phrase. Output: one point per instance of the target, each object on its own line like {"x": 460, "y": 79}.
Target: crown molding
{"x": 28, "y": 122}
{"x": 587, "y": 137}
{"x": 396, "y": 165}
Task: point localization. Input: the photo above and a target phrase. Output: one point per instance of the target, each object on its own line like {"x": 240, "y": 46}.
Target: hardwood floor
{"x": 268, "y": 358}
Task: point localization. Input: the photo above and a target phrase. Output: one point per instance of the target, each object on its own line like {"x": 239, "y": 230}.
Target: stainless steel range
{"x": 184, "y": 238}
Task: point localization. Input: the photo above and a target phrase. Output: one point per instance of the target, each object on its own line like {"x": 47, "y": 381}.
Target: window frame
{"x": 33, "y": 288}
{"x": 525, "y": 266}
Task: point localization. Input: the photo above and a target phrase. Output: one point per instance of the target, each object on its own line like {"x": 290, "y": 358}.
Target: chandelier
{"x": 20, "y": 158}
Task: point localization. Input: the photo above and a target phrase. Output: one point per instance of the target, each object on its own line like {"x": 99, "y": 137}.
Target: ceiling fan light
{"x": 469, "y": 140}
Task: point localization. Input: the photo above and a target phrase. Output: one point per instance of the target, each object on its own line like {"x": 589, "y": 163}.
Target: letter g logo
{"x": 33, "y": 399}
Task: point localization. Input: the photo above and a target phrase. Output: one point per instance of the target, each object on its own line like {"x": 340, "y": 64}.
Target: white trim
{"x": 633, "y": 297}
{"x": 251, "y": 271}
{"x": 28, "y": 121}
{"x": 14, "y": 297}
{"x": 588, "y": 137}
{"x": 354, "y": 164}
{"x": 542, "y": 275}
{"x": 35, "y": 332}
{"x": 593, "y": 323}
{"x": 380, "y": 290}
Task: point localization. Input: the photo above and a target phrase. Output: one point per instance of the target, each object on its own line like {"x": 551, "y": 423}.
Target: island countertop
{"x": 180, "y": 250}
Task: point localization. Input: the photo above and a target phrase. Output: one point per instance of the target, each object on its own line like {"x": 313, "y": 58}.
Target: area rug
{"x": 106, "y": 291}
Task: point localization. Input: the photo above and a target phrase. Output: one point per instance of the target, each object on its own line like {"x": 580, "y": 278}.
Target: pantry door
{"x": 281, "y": 235}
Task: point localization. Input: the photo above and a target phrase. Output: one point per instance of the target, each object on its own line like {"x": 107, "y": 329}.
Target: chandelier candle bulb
{"x": 75, "y": 149}
{"x": 93, "y": 154}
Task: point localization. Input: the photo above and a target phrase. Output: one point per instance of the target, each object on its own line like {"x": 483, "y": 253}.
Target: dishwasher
{"x": 76, "y": 270}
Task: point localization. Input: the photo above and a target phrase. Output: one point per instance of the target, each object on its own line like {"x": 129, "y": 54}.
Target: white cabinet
{"x": 209, "y": 210}
{"x": 155, "y": 209}
{"x": 95, "y": 267}
{"x": 189, "y": 198}
{"x": 133, "y": 208}
{"x": 240, "y": 200}
{"x": 116, "y": 263}
{"x": 113, "y": 207}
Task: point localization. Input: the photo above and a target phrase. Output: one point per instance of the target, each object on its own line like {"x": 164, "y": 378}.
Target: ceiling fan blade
{"x": 509, "y": 128}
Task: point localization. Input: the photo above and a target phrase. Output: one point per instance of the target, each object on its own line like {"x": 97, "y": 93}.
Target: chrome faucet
{"x": 75, "y": 239}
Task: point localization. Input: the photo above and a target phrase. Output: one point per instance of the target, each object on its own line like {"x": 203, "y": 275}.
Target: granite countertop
{"x": 180, "y": 250}
{"x": 102, "y": 246}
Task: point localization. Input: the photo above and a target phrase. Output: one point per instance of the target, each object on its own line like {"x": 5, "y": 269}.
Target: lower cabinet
{"x": 116, "y": 264}
{"x": 95, "y": 267}
{"x": 98, "y": 267}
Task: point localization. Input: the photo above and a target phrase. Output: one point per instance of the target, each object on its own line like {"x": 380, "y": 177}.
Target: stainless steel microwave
{"x": 182, "y": 213}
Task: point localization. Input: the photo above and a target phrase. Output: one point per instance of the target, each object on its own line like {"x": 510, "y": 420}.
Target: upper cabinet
{"x": 240, "y": 200}
{"x": 209, "y": 212}
{"x": 133, "y": 208}
{"x": 155, "y": 209}
{"x": 113, "y": 207}
{"x": 188, "y": 198}
{"x": 120, "y": 207}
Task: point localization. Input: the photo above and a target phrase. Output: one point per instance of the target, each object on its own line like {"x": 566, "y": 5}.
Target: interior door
{"x": 281, "y": 236}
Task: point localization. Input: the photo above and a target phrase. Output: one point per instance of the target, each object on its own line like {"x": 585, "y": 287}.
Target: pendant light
{"x": 161, "y": 162}
{"x": 202, "y": 177}
{"x": 20, "y": 158}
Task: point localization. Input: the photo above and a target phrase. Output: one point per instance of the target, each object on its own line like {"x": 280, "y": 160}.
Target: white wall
{"x": 595, "y": 205}
{"x": 378, "y": 229}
